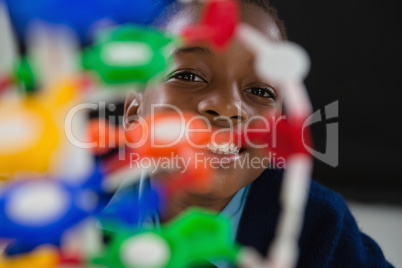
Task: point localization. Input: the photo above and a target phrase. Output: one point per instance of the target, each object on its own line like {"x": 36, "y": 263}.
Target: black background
{"x": 354, "y": 48}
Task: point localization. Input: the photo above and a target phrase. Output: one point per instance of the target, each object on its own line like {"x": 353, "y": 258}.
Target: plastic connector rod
{"x": 287, "y": 64}
{"x": 296, "y": 100}
{"x": 294, "y": 194}
{"x": 54, "y": 52}
{"x": 280, "y": 61}
{"x": 8, "y": 44}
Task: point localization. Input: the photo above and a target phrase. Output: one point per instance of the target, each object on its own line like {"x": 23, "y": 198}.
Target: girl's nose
{"x": 223, "y": 108}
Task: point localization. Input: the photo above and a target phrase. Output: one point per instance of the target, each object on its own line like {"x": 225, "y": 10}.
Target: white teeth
{"x": 224, "y": 148}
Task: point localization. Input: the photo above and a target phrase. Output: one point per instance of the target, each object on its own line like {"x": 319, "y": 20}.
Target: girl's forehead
{"x": 249, "y": 13}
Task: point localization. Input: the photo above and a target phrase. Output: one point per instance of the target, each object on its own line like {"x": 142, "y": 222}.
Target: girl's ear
{"x": 132, "y": 107}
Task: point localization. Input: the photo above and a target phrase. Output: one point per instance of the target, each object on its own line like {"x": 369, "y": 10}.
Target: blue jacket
{"x": 330, "y": 235}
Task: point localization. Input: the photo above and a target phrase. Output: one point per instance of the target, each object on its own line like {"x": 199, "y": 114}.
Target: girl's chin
{"x": 222, "y": 187}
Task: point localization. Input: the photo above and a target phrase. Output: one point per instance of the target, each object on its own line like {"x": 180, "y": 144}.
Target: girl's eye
{"x": 262, "y": 92}
{"x": 187, "y": 76}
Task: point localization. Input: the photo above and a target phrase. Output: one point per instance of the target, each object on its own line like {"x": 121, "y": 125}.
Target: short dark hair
{"x": 271, "y": 10}
{"x": 177, "y": 6}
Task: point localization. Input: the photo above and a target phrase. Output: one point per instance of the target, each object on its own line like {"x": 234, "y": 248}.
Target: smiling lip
{"x": 228, "y": 158}
{"x": 225, "y": 153}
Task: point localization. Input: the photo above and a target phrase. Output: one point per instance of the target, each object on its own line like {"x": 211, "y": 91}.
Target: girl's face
{"x": 219, "y": 84}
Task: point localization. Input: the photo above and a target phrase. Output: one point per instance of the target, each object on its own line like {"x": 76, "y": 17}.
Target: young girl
{"x": 225, "y": 89}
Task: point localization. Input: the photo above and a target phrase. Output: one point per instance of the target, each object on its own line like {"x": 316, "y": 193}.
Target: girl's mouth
{"x": 226, "y": 152}
{"x": 225, "y": 148}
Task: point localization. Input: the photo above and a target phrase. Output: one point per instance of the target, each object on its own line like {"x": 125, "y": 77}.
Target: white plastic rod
{"x": 8, "y": 45}
{"x": 53, "y": 51}
{"x": 284, "y": 250}
{"x": 279, "y": 61}
{"x": 285, "y": 63}
{"x": 296, "y": 99}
